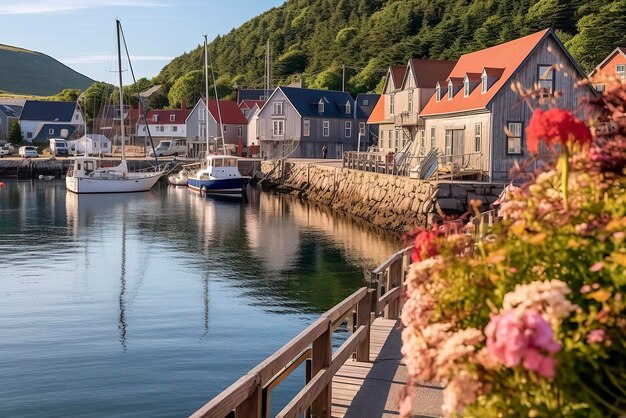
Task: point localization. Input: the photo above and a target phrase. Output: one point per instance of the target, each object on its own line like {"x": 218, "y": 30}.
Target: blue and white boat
{"x": 219, "y": 177}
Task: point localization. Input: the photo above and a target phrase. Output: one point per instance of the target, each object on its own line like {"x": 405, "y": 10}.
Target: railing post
{"x": 363, "y": 318}
{"x": 322, "y": 356}
{"x": 394, "y": 280}
{"x": 251, "y": 407}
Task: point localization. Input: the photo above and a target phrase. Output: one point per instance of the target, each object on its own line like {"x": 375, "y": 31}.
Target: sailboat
{"x": 90, "y": 175}
{"x": 220, "y": 174}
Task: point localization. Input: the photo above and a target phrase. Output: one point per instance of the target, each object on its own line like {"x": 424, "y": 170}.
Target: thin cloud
{"x": 56, "y": 6}
{"x": 99, "y": 59}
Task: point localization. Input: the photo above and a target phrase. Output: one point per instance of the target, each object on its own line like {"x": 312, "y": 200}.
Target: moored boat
{"x": 219, "y": 177}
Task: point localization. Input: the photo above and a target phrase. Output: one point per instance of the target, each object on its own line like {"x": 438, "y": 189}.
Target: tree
{"x": 329, "y": 80}
{"x": 93, "y": 98}
{"x": 188, "y": 88}
{"x": 67, "y": 95}
{"x": 15, "y": 133}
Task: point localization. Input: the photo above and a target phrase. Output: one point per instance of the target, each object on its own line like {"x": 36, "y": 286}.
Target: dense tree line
{"x": 317, "y": 40}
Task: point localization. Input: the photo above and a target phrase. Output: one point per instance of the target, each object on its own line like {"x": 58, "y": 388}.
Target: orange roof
{"x": 508, "y": 57}
{"x": 378, "y": 114}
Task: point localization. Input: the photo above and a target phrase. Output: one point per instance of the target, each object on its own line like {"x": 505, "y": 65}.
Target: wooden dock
{"x": 362, "y": 378}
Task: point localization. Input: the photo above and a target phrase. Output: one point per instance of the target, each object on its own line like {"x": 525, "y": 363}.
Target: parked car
{"x": 4, "y": 151}
{"x": 58, "y": 147}
{"x": 28, "y": 152}
{"x": 9, "y": 147}
{"x": 173, "y": 147}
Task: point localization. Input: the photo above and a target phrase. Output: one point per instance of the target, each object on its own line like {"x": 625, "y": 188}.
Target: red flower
{"x": 555, "y": 126}
{"x": 425, "y": 246}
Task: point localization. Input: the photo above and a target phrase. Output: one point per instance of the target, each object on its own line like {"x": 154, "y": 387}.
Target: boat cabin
{"x": 97, "y": 168}
{"x": 218, "y": 166}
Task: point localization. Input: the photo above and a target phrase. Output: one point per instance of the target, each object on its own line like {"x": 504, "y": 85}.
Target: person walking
{"x": 324, "y": 151}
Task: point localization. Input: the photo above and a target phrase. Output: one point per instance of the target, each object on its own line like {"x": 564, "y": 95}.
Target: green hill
{"x": 313, "y": 39}
{"x": 27, "y": 72}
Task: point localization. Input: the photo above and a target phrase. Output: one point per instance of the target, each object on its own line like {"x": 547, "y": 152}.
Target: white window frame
{"x": 620, "y": 72}
{"x": 155, "y": 118}
{"x": 174, "y": 128}
{"x": 410, "y": 101}
{"x": 240, "y": 131}
{"x": 392, "y": 106}
{"x": 433, "y": 137}
{"x": 325, "y": 128}
{"x": 447, "y": 147}
{"x": 348, "y": 129}
{"x": 51, "y": 131}
{"x": 320, "y": 106}
{"x": 362, "y": 128}
{"x": 277, "y": 108}
{"x": 397, "y": 135}
{"x": 438, "y": 92}
{"x": 390, "y": 136}
{"x": 542, "y": 81}
{"x": 478, "y": 137}
{"x": 366, "y": 102}
{"x": 306, "y": 127}
{"x": 450, "y": 90}
{"x": 278, "y": 127}
{"x": 466, "y": 87}
{"x": 514, "y": 136}
{"x": 172, "y": 118}
{"x": 348, "y": 108}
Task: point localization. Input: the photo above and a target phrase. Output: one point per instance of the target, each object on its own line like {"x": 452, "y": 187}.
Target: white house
{"x": 253, "y": 123}
{"x": 41, "y": 120}
{"x": 94, "y": 143}
{"x": 164, "y": 124}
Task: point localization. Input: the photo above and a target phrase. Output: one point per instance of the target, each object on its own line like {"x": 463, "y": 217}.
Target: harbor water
{"x": 150, "y": 304}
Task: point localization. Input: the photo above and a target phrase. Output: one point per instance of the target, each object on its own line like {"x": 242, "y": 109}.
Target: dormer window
{"x": 348, "y": 108}
{"x": 438, "y": 92}
{"x": 155, "y": 118}
{"x": 172, "y": 118}
{"x": 466, "y": 86}
{"x": 320, "y": 106}
{"x": 484, "y": 83}
{"x": 450, "y": 90}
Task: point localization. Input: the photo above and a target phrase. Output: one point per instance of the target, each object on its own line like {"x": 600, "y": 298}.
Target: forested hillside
{"x": 313, "y": 39}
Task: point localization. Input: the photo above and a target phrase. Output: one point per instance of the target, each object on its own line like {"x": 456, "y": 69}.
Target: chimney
{"x": 183, "y": 104}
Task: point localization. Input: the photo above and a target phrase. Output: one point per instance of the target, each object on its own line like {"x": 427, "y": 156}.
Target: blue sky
{"x": 81, "y": 33}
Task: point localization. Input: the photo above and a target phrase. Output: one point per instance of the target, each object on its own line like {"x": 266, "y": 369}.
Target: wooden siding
{"x": 466, "y": 123}
{"x": 509, "y": 106}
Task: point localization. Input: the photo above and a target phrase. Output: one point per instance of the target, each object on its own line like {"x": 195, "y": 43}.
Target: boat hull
{"x": 177, "y": 180}
{"x": 229, "y": 187}
{"x": 131, "y": 184}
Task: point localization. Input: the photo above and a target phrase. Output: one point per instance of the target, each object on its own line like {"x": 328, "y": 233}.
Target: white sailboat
{"x": 92, "y": 175}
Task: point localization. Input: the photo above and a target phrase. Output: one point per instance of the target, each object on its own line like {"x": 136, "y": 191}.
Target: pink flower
{"x": 405, "y": 406}
{"x": 585, "y": 289}
{"x": 505, "y": 339}
{"x": 540, "y": 332}
{"x": 595, "y": 336}
{"x": 596, "y": 267}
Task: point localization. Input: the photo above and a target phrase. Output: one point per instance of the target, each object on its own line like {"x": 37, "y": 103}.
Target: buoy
{"x": 1, "y": 184}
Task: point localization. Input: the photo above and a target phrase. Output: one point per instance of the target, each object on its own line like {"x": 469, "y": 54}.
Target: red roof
{"x": 249, "y": 104}
{"x": 378, "y": 114}
{"x": 397, "y": 75}
{"x": 231, "y": 114}
{"x": 507, "y": 57}
{"x": 427, "y": 72}
{"x": 164, "y": 116}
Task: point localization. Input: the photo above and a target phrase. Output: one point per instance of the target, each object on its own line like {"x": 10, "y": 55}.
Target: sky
{"x": 81, "y": 33}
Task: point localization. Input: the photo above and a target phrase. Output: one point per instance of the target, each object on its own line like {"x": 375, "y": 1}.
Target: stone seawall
{"x": 395, "y": 204}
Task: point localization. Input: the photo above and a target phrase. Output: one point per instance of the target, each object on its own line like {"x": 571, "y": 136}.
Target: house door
{"x": 339, "y": 150}
{"x": 454, "y": 146}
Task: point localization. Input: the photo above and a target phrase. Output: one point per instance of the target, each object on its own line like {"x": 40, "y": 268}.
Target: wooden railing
{"x": 250, "y": 396}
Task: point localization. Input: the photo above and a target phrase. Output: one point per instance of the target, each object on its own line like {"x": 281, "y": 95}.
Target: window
{"x": 599, "y": 88}
{"x": 155, "y": 118}
{"x": 201, "y": 114}
{"x": 545, "y": 79}
{"x": 478, "y": 137}
{"x": 620, "y": 71}
{"x": 433, "y": 141}
{"x": 423, "y": 138}
{"x": 224, "y": 128}
{"x": 362, "y": 128}
{"x": 325, "y": 128}
{"x": 411, "y": 101}
{"x": 200, "y": 129}
{"x": 348, "y": 129}
{"x": 76, "y": 117}
{"x": 278, "y": 127}
{"x": 320, "y": 106}
{"x": 391, "y": 105}
{"x": 246, "y": 112}
{"x": 366, "y": 102}
{"x": 239, "y": 131}
{"x": 390, "y": 138}
{"x": 438, "y": 92}
{"x": 172, "y": 118}
{"x": 448, "y": 143}
{"x": 174, "y": 128}
{"x": 514, "y": 137}
{"x": 348, "y": 108}
{"x": 278, "y": 108}
{"x": 466, "y": 87}
{"x": 484, "y": 82}
{"x": 397, "y": 138}
{"x": 450, "y": 90}
{"x": 50, "y": 131}
{"x": 160, "y": 128}
{"x": 306, "y": 128}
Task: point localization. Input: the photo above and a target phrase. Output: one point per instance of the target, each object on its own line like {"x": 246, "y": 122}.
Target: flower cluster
{"x": 532, "y": 321}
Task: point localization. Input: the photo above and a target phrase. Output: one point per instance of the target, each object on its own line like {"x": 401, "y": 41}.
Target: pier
{"x": 362, "y": 378}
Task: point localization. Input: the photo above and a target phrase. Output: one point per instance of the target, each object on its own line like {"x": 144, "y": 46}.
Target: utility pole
{"x": 343, "y": 79}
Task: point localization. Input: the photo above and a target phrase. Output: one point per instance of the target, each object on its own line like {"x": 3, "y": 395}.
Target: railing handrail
{"x": 388, "y": 262}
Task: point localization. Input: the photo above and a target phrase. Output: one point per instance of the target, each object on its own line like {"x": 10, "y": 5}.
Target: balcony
{"x": 406, "y": 119}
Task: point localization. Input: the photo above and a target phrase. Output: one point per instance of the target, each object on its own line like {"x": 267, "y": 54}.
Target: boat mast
{"x": 119, "y": 66}
{"x": 217, "y": 101}
{"x": 206, "y": 93}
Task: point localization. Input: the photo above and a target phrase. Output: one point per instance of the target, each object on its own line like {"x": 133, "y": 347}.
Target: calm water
{"x": 150, "y": 304}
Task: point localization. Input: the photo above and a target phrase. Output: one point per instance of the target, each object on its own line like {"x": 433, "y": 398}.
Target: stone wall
{"x": 395, "y": 204}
